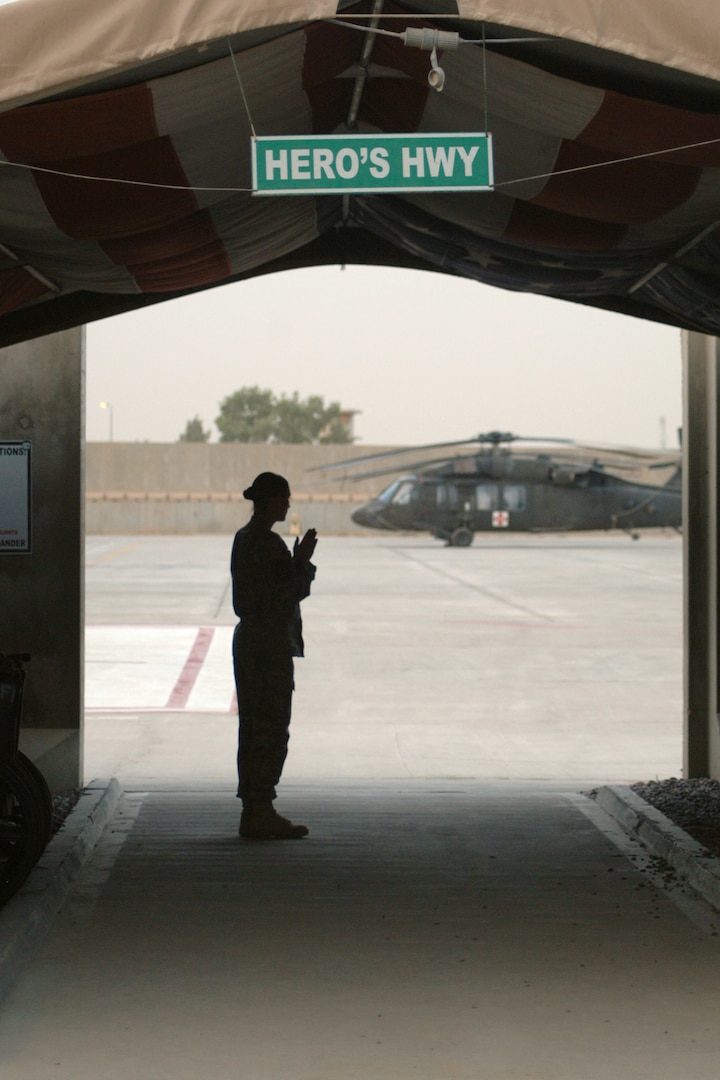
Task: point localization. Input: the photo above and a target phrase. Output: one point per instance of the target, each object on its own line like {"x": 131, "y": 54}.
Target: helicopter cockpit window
{"x": 513, "y": 497}
{"x": 393, "y": 493}
{"x": 386, "y": 495}
{"x": 486, "y": 497}
{"x": 405, "y": 493}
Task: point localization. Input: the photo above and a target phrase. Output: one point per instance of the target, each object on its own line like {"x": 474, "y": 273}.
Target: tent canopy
{"x": 125, "y": 149}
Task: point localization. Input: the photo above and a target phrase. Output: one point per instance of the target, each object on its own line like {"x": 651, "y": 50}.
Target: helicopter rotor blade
{"x": 600, "y": 456}
{"x": 366, "y": 458}
{"x": 621, "y": 451}
{"x": 623, "y": 457}
{"x": 492, "y": 438}
{"x": 408, "y": 467}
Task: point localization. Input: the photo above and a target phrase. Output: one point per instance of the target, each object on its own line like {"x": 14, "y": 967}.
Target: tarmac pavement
{"x": 520, "y": 657}
{"x": 439, "y": 921}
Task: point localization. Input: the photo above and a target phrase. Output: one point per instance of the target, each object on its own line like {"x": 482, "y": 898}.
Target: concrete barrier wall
{"x": 41, "y": 611}
{"x": 170, "y": 488}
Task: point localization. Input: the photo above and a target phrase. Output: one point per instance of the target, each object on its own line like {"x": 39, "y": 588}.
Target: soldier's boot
{"x": 260, "y": 821}
{"x": 245, "y": 817}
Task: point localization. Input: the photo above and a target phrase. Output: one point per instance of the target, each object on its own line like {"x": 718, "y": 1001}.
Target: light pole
{"x": 108, "y": 406}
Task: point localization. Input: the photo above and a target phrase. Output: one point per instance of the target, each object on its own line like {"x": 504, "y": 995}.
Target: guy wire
{"x": 242, "y": 90}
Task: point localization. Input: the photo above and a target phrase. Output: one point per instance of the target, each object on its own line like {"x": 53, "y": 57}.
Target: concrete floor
{"x": 460, "y": 909}
{"x": 474, "y": 930}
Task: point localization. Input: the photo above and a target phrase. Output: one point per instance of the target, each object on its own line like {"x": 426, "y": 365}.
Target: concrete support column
{"x": 701, "y": 387}
{"x": 42, "y": 592}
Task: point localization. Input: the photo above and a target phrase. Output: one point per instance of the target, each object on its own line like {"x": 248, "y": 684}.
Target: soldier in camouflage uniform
{"x": 268, "y": 584}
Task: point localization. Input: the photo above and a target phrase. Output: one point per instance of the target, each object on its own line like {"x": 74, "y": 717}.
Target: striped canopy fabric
{"x": 127, "y": 180}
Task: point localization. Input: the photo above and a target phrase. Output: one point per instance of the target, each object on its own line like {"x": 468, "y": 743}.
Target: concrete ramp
{"x": 425, "y": 929}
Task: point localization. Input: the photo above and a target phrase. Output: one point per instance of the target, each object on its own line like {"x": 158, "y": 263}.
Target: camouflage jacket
{"x": 268, "y": 585}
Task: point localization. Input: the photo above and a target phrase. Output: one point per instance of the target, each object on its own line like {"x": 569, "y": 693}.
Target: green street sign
{"x": 339, "y": 164}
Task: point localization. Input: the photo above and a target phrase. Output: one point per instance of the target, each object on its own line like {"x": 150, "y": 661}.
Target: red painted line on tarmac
{"x": 188, "y": 676}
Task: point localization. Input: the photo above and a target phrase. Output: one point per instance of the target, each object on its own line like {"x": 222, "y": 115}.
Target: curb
{"x": 27, "y": 916}
{"x": 690, "y": 859}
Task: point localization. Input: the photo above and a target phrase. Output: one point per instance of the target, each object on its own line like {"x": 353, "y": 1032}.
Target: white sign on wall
{"x": 15, "y": 516}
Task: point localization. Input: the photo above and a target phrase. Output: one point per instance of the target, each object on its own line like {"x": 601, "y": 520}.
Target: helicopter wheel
{"x": 461, "y": 537}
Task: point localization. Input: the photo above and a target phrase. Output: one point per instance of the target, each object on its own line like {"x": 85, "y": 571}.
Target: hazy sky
{"x": 422, "y": 356}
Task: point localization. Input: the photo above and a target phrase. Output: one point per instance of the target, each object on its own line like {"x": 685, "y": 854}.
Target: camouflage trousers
{"x": 264, "y": 693}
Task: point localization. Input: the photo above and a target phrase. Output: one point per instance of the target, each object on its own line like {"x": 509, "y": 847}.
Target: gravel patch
{"x": 62, "y": 805}
{"x": 693, "y": 805}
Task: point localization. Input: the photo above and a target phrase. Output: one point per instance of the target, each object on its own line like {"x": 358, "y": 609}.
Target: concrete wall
{"x": 169, "y": 488}
{"x": 41, "y": 593}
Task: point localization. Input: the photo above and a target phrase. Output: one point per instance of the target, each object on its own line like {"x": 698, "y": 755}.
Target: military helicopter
{"x": 495, "y": 488}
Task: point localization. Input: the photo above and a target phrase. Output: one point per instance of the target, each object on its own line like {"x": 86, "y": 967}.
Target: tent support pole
{"x": 701, "y": 409}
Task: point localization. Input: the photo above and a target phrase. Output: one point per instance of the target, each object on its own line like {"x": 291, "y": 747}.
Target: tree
{"x": 247, "y": 416}
{"x": 255, "y": 415}
{"x": 309, "y": 421}
{"x": 194, "y": 431}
